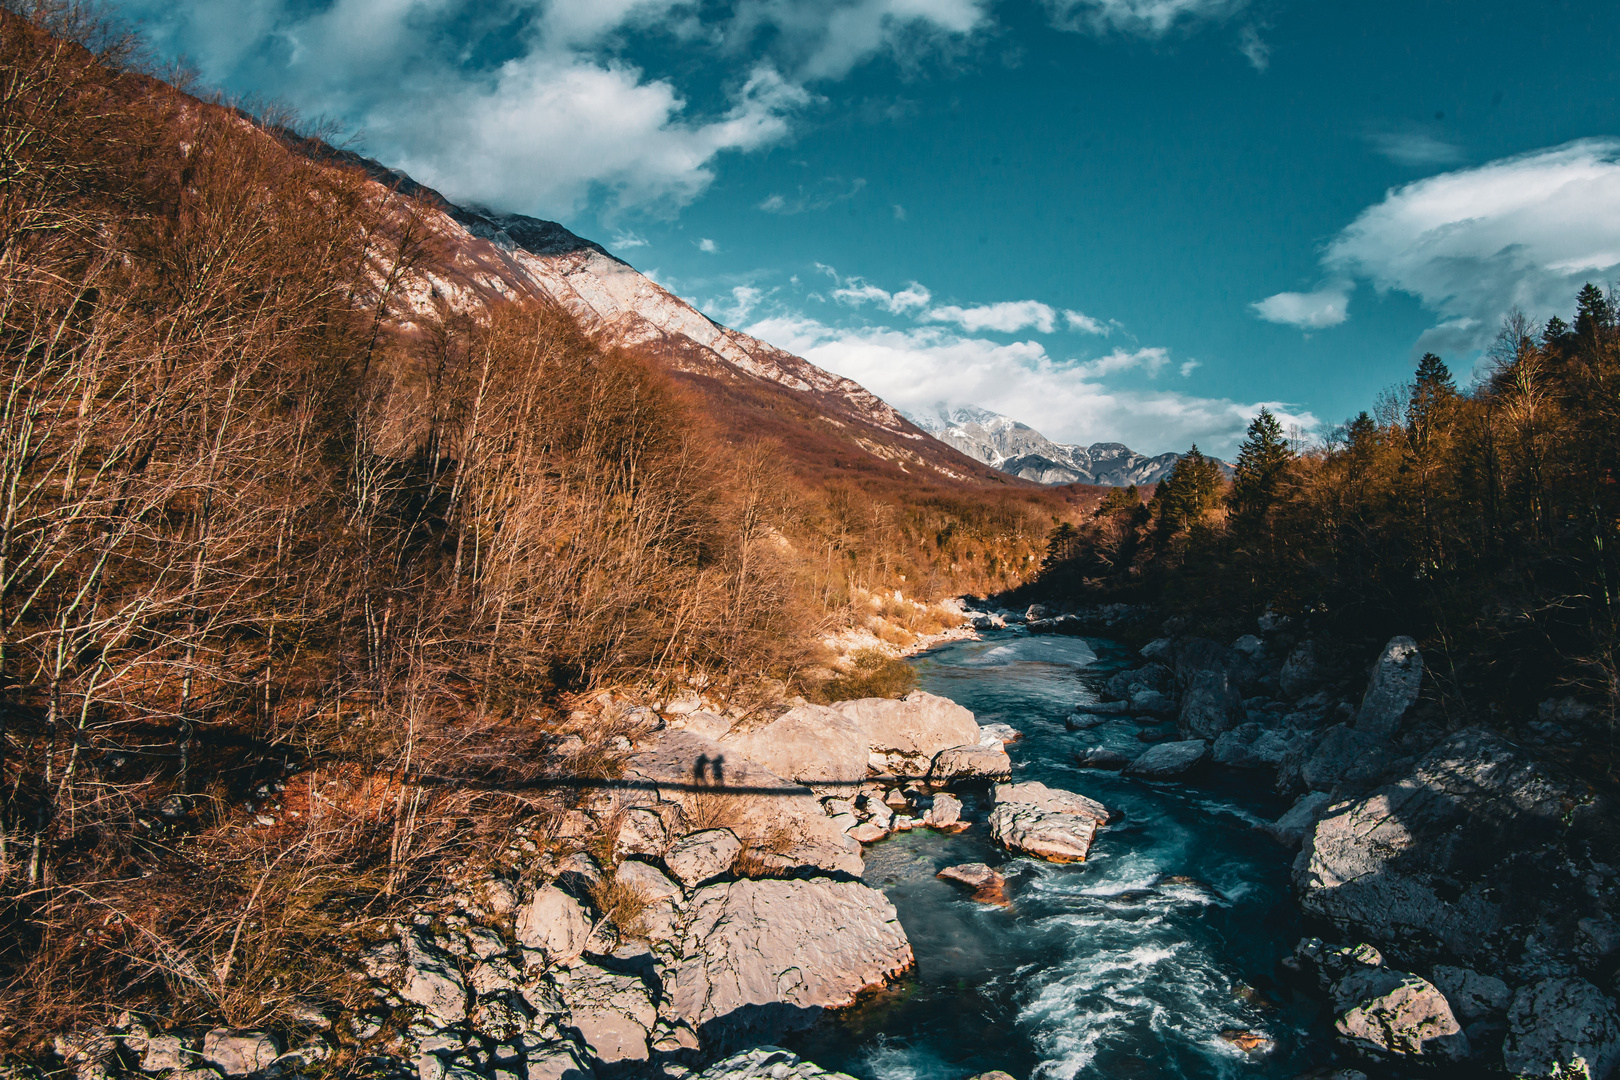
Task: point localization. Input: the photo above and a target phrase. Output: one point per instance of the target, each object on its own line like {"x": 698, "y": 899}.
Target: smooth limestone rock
{"x": 988, "y": 886}
{"x": 1460, "y": 860}
{"x": 554, "y": 923}
{"x": 908, "y": 733}
{"x": 868, "y": 832}
{"x": 1290, "y": 829}
{"x": 1397, "y": 1013}
{"x": 1554, "y": 1021}
{"x": 677, "y": 770}
{"x": 1169, "y": 759}
{"x": 946, "y": 812}
{"x": 978, "y": 762}
{"x": 767, "y": 1063}
{"x": 1397, "y": 678}
{"x": 641, "y": 832}
{"x": 812, "y": 744}
{"x": 1049, "y": 823}
{"x": 767, "y": 950}
{"x": 703, "y": 855}
{"x": 612, "y": 1013}
{"x": 431, "y": 979}
{"x": 1211, "y": 705}
{"x": 238, "y": 1053}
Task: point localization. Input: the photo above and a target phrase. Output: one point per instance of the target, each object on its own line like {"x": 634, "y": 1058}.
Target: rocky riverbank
{"x": 1466, "y": 886}
{"x": 707, "y": 898}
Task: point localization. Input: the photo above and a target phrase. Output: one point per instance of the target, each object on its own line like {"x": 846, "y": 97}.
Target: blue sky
{"x": 1131, "y": 220}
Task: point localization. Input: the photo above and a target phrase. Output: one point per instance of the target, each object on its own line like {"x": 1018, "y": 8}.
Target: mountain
{"x": 827, "y": 424}
{"x": 1020, "y": 450}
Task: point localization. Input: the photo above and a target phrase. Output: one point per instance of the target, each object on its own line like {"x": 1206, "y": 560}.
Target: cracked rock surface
{"x": 803, "y": 944}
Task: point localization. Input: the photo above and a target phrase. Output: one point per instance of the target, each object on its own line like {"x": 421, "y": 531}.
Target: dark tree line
{"x": 1486, "y": 520}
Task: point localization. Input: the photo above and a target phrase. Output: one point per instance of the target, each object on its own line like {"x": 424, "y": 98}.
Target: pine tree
{"x": 1262, "y": 464}
{"x": 1190, "y": 493}
{"x": 1594, "y": 316}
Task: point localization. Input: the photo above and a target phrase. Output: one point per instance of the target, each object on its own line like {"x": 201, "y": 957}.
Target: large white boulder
{"x": 909, "y": 732}
{"x": 612, "y": 1012}
{"x": 812, "y": 744}
{"x": 554, "y": 923}
{"x": 1049, "y": 823}
{"x": 766, "y": 949}
{"x": 778, "y": 820}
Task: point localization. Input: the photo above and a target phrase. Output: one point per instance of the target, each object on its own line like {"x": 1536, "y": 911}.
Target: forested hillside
{"x": 1485, "y": 520}
{"x": 263, "y": 538}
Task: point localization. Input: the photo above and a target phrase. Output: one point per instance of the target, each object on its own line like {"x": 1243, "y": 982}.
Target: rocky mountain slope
{"x": 1020, "y": 450}
{"x": 825, "y": 421}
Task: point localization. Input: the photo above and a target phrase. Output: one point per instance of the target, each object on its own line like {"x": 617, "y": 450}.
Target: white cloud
{"x": 1189, "y": 366}
{"x": 624, "y": 240}
{"x": 826, "y": 39}
{"x": 707, "y": 246}
{"x": 1008, "y": 317}
{"x": 1524, "y": 232}
{"x": 744, "y": 298}
{"x": 1144, "y": 18}
{"x": 1327, "y": 306}
{"x": 1079, "y": 320}
{"x": 854, "y": 292}
{"x": 1415, "y": 148}
{"x": 1254, "y": 48}
{"x": 1151, "y": 361}
{"x": 899, "y": 212}
{"x": 562, "y": 122}
{"x": 1065, "y": 400}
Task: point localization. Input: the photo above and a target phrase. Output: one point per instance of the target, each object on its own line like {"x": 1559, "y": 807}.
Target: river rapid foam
{"x": 1132, "y": 964}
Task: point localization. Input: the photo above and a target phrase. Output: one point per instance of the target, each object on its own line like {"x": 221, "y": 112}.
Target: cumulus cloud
{"x": 557, "y": 120}
{"x": 855, "y": 292}
{"x": 741, "y": 304}
{"x": 918, "y": 367}
{"x": 707, "y": 246}
{"x": 1524, "y": 232}
{"x": 1327, "y": 306}
{"x": 625, "y": 240}
{"x": 1189, "y": 366}
{"x": 1144, "y": 18}
{"x": 1008, "y": 317}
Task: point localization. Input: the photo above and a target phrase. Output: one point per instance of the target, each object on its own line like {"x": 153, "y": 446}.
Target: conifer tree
{"x": 1262, "y": 464}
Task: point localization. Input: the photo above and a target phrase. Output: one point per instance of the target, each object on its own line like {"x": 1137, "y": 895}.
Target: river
{"x": 1100, "y": 969}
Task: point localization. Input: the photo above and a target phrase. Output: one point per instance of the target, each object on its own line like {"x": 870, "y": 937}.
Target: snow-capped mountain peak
{"x": 1003, "y": 443}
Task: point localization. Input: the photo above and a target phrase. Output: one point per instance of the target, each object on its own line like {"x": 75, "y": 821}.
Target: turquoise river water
{"x": 1098, "y": 969}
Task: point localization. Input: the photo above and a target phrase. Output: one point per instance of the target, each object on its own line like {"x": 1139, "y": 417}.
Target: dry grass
{"x": 622, "y": 906}
{"x": 872, "y": 674}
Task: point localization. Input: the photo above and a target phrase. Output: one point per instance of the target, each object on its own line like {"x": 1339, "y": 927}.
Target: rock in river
{"x": 763, "y": 952}
{"x": 1169, "y": 759}
{"x": 1048, "y": 823}
{"x": 988, "y": 886}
